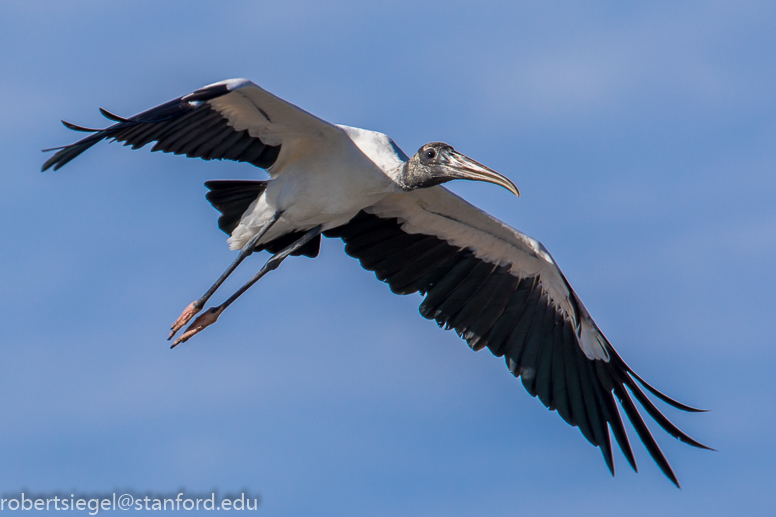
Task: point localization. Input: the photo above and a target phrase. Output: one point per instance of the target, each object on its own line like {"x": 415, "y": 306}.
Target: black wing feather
{"x": 544, "y": 368}
{"x": 560, "y": 400}
{"x": 186, "y": 125}
{"x": 497, "y": 337}
{"x": 490, "y": 307}
{"x": 491, "y": 312}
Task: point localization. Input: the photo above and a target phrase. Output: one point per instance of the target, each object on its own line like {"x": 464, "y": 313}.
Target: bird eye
{"x": 431, "y": 154}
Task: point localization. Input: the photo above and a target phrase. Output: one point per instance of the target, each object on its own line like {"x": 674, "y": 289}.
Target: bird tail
{"x": 232, "y": 198}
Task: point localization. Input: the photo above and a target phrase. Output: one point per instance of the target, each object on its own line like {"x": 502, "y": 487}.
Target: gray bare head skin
{"x": 438, "y": 162}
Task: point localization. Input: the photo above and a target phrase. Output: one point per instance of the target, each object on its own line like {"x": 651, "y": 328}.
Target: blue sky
{"x": 642, "y": 140}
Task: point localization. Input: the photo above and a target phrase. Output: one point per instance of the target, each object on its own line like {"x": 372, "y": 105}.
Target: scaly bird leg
{"x": 211, "y": 315}
{"x": 196, "y": 306}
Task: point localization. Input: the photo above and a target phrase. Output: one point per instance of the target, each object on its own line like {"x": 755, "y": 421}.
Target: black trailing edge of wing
{"x": 488, "y": 306}
{"x": 186, "y": 125}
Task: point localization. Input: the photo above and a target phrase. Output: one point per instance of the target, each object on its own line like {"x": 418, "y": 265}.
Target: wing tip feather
{"x": 110, "y": 116}
{"x": 76, "y": 127}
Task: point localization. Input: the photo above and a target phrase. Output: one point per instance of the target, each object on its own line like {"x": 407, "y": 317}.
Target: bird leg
{"x": 211, "y": 315}
{"x": 247, "y": 250}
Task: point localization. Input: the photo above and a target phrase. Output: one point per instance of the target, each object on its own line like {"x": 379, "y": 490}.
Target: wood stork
{"x": 497, "y": 287}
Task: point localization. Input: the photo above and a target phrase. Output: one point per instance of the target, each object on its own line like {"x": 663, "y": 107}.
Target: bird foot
{"x": 204, "y": 320}
{"x": 184, "y": 318}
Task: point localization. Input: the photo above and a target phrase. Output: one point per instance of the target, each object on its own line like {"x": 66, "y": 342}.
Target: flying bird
{"x": 497, "y": 287}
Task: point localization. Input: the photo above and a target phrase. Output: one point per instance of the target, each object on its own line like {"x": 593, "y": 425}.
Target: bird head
{"x": 438, "y": 162}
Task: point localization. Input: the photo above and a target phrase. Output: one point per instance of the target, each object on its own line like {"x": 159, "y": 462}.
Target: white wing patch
{"x": 275, "y": 122}
{"x": 591, "y": 341}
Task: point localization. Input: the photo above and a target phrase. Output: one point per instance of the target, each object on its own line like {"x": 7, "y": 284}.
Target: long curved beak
{"x": 463, "y": 167}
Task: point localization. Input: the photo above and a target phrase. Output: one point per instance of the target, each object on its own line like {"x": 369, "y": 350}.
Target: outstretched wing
{"x": 231, "y": 120}
{"x": 501, "y": 289}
